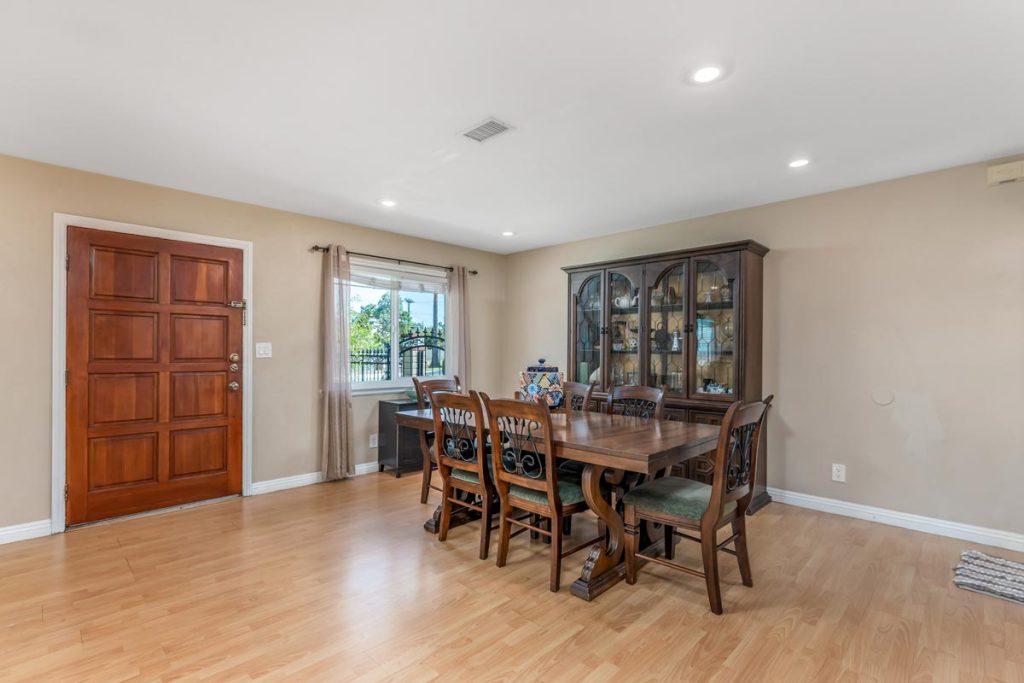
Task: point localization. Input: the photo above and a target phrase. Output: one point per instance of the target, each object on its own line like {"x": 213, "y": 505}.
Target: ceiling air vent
{"x": 487, "y": 129}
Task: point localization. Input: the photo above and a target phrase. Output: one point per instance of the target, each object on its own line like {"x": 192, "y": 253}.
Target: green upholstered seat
{"x": 674, "y": 496}
{"x": 569, "y": 491}
{"x": 468, "y": 476}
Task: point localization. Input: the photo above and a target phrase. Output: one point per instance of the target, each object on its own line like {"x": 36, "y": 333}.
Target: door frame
{"x": 58, "y": 431}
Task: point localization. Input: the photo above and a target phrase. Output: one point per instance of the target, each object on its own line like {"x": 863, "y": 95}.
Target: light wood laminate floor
{"x": 338, "y": 582}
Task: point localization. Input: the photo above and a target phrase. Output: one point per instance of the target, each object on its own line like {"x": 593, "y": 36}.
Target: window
{"x": 396, "y": 323}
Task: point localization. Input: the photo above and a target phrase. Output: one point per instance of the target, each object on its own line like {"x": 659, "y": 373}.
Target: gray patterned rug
{"x": 990, "y": 575}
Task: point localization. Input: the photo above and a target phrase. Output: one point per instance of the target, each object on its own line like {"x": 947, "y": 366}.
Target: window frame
{"x": 397, "y": 384}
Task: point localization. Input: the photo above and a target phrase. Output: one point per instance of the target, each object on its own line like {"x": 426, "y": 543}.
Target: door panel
{"x": 116, "y": 335}
{"x": 123, "y": 398}
{"x": 586, "y": 337}
{"x": 198, "y": 394}
{"x": 197, "y": 338}
{"x": 154, "y": 405}
{"x": 198, "y": 451}
{"x": 122, "y": 274}
{"x": 716, "y": 296}
{"x": 120, "y": 460}
{"x": 625, "y": 327}
{"x": 199, "y": 281}
{"x": 667, "y": 299}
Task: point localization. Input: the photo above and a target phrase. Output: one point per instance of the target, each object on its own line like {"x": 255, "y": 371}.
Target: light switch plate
{"x": 264, "y": 350}
{"x": 373, "y": 440}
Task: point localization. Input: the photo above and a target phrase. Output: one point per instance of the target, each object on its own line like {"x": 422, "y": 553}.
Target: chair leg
{"x": 485, "y": 525}
{"x": 535, "y": 521}
{"x": 567, "y": 525}
{"x": 632, "y": 538}
{"x": 446, "y": 514}
{"x": 739, "y": 527}
{"x": 670, "y": 542}
{"x": 556, "y": 553}
{"x": 709, "y": 554}
{"x": 427, "y": 471}
{"x": 503, "y": 536}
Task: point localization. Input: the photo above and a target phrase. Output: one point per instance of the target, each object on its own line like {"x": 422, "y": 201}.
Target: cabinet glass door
{"x": 587, "y": 342}
{"x": 668, "y": 322}
{"x": 715, "y": 337}
{"x": 624, "y": 326}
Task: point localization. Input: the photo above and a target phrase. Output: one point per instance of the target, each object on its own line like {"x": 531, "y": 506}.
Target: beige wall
{"x": 285, "y": 306}
{"x": 914, "y": 286}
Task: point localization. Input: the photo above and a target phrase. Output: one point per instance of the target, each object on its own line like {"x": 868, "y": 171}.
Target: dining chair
{"x": 637, "y": 401}
{"x": 679, "y": 503}
{"x": 423, "y": 388}
{"x": 577, "y": 396}
{"x": 463, "y": 461}
{"x": 577, "y": 400}
{"x": 526, "y": 479}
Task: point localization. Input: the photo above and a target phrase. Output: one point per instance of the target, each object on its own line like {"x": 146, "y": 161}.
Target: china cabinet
{"x": 688, "y": 320}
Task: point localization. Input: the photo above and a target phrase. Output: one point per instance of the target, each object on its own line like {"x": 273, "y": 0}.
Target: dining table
{"x": 610, "y": 447}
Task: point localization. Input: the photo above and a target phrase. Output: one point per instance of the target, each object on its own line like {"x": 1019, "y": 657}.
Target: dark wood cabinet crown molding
{"x": 742, "y": 245}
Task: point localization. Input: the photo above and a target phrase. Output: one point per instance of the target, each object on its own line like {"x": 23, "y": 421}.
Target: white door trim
{"x": 61, "y": 221}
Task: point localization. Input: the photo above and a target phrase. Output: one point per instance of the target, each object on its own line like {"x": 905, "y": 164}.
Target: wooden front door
{"x": 154, "y": 354}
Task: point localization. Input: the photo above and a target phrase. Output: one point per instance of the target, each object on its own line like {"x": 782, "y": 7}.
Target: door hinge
{"x": 65, "y": 493}
{"x": 67, "y": 261}
{"x": 67, "y": 377}
{"x": 243, "y": 304}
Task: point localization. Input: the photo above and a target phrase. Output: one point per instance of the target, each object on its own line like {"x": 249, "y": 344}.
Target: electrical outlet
{"x": 373, "y": 440}
{"x": 838, "y": 472}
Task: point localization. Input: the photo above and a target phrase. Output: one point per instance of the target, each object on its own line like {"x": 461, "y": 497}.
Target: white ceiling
{"x": 326, "y": 106}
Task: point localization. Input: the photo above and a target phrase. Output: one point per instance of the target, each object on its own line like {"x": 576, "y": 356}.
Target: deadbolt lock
{"x": 233, "y": 386}
{"x": 234, "y": 358}
{"x": 233, "y": 367}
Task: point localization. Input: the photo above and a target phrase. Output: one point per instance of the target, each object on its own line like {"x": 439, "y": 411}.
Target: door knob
{"x": 234, "y": 358}
{"x": 233, "y": 386}
{"x": 233, "y": 367}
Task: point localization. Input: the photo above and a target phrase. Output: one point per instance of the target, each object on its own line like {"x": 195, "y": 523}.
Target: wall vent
{"x": 486, "y": 130}
{"x": 1006, "y": 173}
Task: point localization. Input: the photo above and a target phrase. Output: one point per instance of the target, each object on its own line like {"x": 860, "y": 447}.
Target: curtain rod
{"x": 317, "y": 247}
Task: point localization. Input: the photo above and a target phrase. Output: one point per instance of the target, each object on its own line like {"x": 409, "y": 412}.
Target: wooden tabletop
{"x": 615, "y": 441}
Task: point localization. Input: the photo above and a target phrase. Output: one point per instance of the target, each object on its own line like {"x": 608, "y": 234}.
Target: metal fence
{"x": 418, "y": 356}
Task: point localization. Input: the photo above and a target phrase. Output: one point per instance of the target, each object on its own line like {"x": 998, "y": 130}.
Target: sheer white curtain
{"x": 457, "y": 325}
{"x": 337, "y": 393}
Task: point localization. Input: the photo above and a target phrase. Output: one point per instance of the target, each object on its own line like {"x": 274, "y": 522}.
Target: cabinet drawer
{"x": 707, "y": 418}
{"x": 677, "y": 414}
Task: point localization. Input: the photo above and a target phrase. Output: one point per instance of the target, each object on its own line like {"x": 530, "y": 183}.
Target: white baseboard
{"x": 929, "y": 525}
{"x": 22, "y": 532}
{"x": 365, "y": 468}
{"x": 293, "y": 482}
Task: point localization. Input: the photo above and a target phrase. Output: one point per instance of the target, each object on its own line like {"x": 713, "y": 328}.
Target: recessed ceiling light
{"x": 388, "y": 203}
{"x": 799, "y": 163}
{"x": 706, "y": 74}
{"x": 508, "y": 233}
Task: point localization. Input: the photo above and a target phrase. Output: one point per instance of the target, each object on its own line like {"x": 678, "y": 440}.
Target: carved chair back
{"x": 425, "y": 387}
{"x": 460, "y": 444}
{"x": 637, "y": 401}
{"x": 577, "y": 396}
{"x": 736, "y": 458}
{"x": 522, "y": 450}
